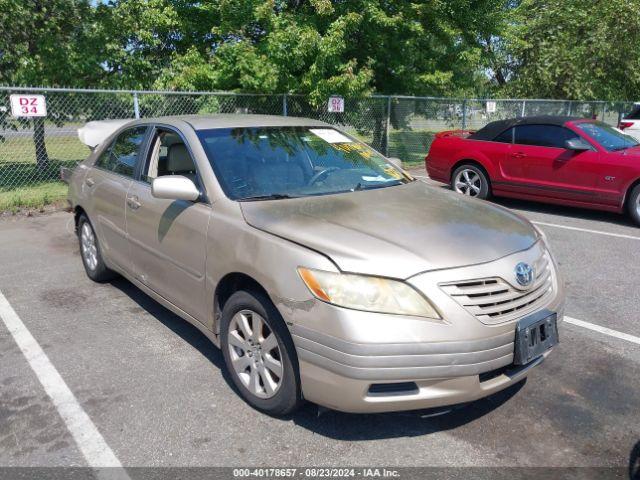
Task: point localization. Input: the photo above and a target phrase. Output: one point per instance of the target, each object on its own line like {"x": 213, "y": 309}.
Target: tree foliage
{"x": 47, "y": 42}
{"x": 575, "y": 49}
{"x": 351, "y": 48}
{"x": 533, "y": 48}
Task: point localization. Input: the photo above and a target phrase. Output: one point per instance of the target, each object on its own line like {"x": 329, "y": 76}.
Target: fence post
{"x": 620, "y": 107}
{"x": 136, "y": 106}
{"x": 388, "y": 127}
{"x": 524, "y": 108}
{"x": 464, "y": 114}
{"x": 284, "y": 105}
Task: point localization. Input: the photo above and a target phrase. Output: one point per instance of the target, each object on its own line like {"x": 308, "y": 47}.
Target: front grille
{"x": 493, "y": 300}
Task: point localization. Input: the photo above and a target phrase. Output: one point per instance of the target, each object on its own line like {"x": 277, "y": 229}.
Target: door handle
{"x": 133, "y": 202}
{"x": 90, "y": 182}
{"x": 518, "y": 155}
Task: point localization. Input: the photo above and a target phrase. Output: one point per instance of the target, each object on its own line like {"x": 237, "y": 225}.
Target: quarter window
{"x": 122, "y": 156}
{"x": 543, "y": 135}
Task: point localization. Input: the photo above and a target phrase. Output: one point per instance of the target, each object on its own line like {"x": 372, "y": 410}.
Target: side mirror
{"x": 396, "y": 162}
{"x": 577, "y": 144}
{"x": 174, "y": 187}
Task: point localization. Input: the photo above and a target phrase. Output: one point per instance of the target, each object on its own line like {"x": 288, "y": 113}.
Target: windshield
{"x": 609, "y": 137}
{"x": 282, "y": 162}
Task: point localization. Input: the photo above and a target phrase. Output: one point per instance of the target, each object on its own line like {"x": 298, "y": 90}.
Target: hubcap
{"x": 88, "y": 246}
{"x": 255, "y": 354}
{"x": 468, "y": 183}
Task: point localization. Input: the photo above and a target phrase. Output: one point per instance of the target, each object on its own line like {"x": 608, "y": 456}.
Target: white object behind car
{"x": 94, "y": 133}
{"x": 630, "y": 124}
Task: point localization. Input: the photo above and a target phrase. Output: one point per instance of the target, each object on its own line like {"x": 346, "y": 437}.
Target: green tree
{"x": 139, "y": 39}
{"x": 354, "y": 48}
{"x": 351, "y": 48}
{"x": 46, "y": 43}
{"x": 574, "y": 49}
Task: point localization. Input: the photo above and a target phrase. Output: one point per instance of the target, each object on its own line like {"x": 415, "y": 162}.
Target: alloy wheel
{"x": 88, "y": 246}
{"x": 255, "y": 354}
{"x": 468, "y": 183}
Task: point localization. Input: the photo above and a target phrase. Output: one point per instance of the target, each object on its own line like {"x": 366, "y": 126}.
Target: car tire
{"x": 633, "y": 204}
{"x": 91, "y": 253}
{"x": 254, "y": 341}
{"x": 472, "y": 181}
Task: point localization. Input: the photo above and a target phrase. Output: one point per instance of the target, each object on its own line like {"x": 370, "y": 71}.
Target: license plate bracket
{"x": 535, "y": 334}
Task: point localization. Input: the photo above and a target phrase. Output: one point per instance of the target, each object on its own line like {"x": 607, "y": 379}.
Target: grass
{"x": 35, "y": 197}
{"x": 23, "y": 184}
{"x": 411, "y": 146}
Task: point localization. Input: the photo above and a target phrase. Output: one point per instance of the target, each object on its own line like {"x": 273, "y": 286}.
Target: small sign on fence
{"x": 28, "y": 105}
{"x": 491, "y": 107}
{"x": 336, "y": 104}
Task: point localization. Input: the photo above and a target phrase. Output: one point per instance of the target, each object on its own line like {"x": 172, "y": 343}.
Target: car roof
{"x": 493, "y": 129}
{"x": 225, "y": 120}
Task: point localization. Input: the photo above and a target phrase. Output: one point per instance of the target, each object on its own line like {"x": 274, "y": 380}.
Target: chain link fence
{"x": 32, "y": 150}
{"x": 415, "y": 121}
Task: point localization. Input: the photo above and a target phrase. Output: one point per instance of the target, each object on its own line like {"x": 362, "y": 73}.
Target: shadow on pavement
{"x": 551, "y": 209}
{"x": 179, "y": 326}
{"x": 634, "y": 462}
{"x": 570, "y": 212}
{"x": 354, "y": 427}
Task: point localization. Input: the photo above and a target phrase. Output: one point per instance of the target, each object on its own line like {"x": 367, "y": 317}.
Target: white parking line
{"x": 89, "y": 440}
{"x": 587, "y": 230}
{"x": 604, "y": 330}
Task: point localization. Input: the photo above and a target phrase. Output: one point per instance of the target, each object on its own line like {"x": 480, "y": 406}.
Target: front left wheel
{"x": 259, "y": 353}
{"x": 472, "y": 181}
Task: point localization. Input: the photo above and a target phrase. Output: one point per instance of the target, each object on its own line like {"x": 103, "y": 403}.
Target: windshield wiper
{"x": 391, "y": 183}
{"x": 268, "y": 196}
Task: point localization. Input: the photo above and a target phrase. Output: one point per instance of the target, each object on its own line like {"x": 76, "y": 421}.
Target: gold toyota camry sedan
{"x": 320, "y": 268}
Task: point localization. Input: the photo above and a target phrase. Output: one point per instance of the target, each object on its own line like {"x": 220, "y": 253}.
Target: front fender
{"x": 233, "y": 246}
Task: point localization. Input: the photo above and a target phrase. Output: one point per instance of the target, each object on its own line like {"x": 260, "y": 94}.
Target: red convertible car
{"x": 563, "y": 160}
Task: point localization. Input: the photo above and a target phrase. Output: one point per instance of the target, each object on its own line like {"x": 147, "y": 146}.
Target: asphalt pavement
{"x": 154, "y": 387}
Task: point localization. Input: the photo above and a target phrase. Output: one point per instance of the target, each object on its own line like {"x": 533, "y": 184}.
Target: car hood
{"x": 395, "y": 231}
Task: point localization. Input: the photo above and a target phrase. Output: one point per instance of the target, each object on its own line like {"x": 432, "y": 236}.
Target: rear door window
{"x": 543, "y": 135}
{"x": 123, "y": 155}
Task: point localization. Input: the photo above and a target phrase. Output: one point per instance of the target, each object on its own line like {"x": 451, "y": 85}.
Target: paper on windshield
{"x": 330, "y": 136}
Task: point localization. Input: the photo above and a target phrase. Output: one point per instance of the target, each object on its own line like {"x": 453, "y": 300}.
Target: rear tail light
{"x": 623, "y": 125}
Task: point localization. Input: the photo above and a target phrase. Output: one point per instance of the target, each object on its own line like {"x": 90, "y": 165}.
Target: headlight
{"x": 372, "y": 294}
